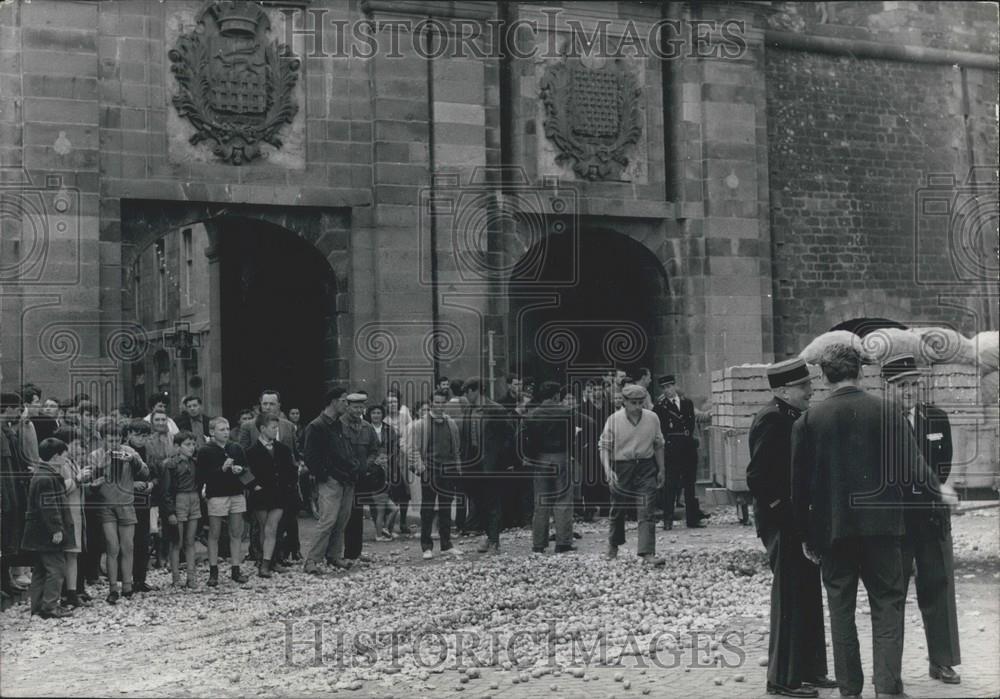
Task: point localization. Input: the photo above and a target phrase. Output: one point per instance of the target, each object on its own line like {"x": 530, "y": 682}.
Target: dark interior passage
{"x": 609, "y": 316}
{"x": 276, "y": 291}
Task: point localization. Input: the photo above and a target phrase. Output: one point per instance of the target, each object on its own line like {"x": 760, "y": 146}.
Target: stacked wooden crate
{"x": 739, "y": 392}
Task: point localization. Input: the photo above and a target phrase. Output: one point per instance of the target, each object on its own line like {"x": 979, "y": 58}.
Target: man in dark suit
{"x": 797, "y": 644}
{"x": 486, "y": 434}
{"x": 193, "y": 420}
{"x": 288, "y": 528}
{"x": 681, "y": 452}
{"x": 928, "y": 524}
{"x": 851, "y": 456}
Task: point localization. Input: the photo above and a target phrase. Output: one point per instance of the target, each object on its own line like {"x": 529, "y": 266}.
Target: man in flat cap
{"x": 797, "y": 645}
{"x": 363, "y": 445}
{"x": 928, "y": 524}
{"x": 631, "y": 447}
{"x": 852, "y": 454}
{"x": 677, "y": 420}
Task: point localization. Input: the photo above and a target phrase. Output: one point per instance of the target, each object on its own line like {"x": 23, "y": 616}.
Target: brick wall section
{"x": 851, "y": 144}
{"x": 959, "y": 26}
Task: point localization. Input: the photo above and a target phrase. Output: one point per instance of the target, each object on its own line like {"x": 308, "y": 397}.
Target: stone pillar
{"x": 49, "y": 127}
{"x": 720, "y": 146}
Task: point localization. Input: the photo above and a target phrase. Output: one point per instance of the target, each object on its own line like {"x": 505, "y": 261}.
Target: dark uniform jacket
{"x": 769, "y": 473}
{"x": 932, "y": 431}
{"x": 48, "y": 512}
{"x": 678, "y": 427}
{"x": 850, "y": 455}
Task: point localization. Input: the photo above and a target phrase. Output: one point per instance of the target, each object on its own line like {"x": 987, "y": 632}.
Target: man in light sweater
{"x": 631, "y": 449}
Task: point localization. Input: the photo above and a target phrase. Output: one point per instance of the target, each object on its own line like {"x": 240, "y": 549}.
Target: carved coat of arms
{"x": 592, "y": 116}
{"x": 236, "y": 87}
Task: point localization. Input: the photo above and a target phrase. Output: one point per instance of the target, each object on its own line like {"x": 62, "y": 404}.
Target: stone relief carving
{"x": 236, "y": 85}
{"x": 592, "y": 116}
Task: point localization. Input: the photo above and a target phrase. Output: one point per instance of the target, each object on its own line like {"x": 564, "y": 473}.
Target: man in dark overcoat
{"x": 928, "y": 524}
{"x": 797, "y": 643}
{"x": 851, "y": 454}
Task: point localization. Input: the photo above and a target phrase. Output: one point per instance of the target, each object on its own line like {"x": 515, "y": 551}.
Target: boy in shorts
{"x": 219, "y": 465}
{"x": 115, "y": 468}
{"x": 181, "y": 505}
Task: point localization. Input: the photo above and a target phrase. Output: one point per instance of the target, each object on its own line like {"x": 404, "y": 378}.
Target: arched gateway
{"x": 232, "y": 299}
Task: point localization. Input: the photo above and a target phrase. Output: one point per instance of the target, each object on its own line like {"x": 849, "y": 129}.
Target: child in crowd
{"x": 181, "y": 505}
{"x": 77, "y": 479}
{"x": 115, "y": 467}
{"x": 48, "y": 530}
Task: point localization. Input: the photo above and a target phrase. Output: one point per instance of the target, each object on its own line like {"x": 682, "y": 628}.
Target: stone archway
{"x": 268, "y": 312}
{"x": 608, "y": 306}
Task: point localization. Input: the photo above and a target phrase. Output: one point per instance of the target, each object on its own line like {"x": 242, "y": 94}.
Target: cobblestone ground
{"x": 704, "y": 616}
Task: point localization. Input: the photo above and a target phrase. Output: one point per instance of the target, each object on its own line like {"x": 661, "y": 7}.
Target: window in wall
{"x": 137, "y": 288}
{"x": 187, "y": 264}
{"x": 161, "y": 277}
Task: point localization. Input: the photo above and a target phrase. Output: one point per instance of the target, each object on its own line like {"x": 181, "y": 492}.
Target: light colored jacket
{"x": 417, "y": 442}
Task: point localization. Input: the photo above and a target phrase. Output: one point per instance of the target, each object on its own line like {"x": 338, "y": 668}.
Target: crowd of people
{"x": 853, "y": 489}
{"x": 87, "y": 493}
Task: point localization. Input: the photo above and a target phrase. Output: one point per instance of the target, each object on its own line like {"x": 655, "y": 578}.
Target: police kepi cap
{"x": 634, "y": 392}
{"x": 900, "y": 366}
{"x": 356, "y": 397}
{"x": 667, "y": 378}
{"x": 788, "y": 373}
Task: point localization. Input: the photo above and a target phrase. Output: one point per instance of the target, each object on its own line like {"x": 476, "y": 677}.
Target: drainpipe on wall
{"x": 432, "y": 166}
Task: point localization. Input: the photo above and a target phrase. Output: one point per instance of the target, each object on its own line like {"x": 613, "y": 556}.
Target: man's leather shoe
{"x": 57, "y": 613}
{"x": 944, "y": 673}
{"x": 565, "y": 549}
{"x": 821, "y": 682}
{"x": 696, "y": 525}
{"x": 703, "y": 515}
{"x": 668, "y": 526}
{"x": 144, "y": 587}
{"x": 612, "y": 552}
{"x": 652, "y": 559}
{"x": 791, "y": 692}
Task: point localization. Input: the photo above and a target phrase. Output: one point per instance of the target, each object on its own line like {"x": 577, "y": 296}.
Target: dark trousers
{"x": 47, "y": 575}
{"x": 489, "y": 508}
{"x": 928, "y": 545}
{"x": 140, "y": 548}
{"x": 636, "y": 490}
{"x": 797, "y": 642}
{"x": 435, "y": 498}
{"x": 288, "y": 534}
{"x": 555, "y": 486}
{"x": 680, "y": 476}
{"x": 878, "y": 562}
{"x": 354, "y": 532}
{"x": 466, "y": 504}
{"x": 89, "y": 561}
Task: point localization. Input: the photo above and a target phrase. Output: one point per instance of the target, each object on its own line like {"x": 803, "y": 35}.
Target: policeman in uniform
{"x": 677, "y": 421}
{"x": 928, "y": 525}
{"x": 797, "y": 645}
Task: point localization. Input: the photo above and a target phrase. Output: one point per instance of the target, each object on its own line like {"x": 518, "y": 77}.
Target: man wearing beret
{"x": 852, "y": 456}
{"x": 677, "y": 421}
{"x": 928, "y": 524}
{"x": 797, "y": 645}
{"x": 631, "y": 447}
